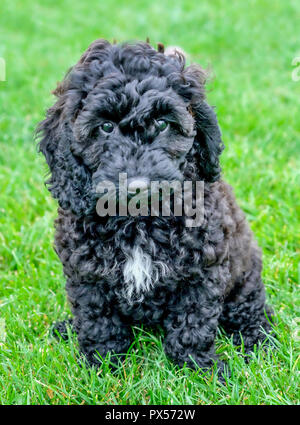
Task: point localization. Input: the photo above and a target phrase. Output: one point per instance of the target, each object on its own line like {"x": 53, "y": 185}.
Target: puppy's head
{"x": 128, "y": 109}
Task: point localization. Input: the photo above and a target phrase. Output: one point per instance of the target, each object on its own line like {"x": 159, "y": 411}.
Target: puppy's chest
{"x": 140, "y": 271}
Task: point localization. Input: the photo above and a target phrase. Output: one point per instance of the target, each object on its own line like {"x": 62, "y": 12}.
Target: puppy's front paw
{"x": 60, "y": 329}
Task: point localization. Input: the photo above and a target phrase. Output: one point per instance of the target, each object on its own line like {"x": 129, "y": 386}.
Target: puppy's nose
{"x": 135, "y": 183}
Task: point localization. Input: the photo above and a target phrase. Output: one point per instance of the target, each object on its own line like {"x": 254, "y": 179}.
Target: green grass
{"x": 250, "y": 47}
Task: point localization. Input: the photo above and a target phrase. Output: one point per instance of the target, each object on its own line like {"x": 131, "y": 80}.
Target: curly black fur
{"x": 202, "y": 276}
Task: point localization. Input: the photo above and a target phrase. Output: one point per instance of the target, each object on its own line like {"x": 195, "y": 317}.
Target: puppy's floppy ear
{"x": 48, "y": 132}
{"x": 208, "y": 144}
{"x": 69, "y": 180}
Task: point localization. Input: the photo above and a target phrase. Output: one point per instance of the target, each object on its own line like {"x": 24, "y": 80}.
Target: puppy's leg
{"x": 191, "y": 327}
{"x": 97, "y": 323}
{"x": 60, "y": 329}
{"x": 245, "y": 312}
{"x": 100, "y": 335}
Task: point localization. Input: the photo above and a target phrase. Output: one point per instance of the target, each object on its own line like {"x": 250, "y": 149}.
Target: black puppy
{"x": 131, "y": 109}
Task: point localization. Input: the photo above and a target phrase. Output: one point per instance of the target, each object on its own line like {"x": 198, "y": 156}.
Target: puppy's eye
{"x": 162, "y": 125}
{"x": 107, "y": 127}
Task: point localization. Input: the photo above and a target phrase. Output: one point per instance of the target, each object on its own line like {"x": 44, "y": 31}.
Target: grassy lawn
{"x": 249, "y": 47}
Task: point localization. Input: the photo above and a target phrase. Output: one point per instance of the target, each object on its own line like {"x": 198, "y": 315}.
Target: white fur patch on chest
{"x": 140, "y": 273}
